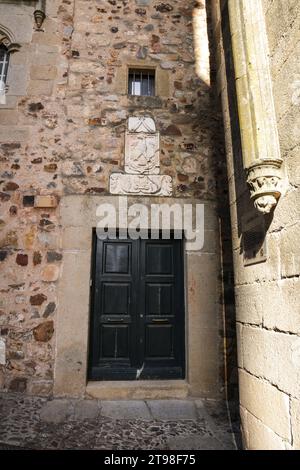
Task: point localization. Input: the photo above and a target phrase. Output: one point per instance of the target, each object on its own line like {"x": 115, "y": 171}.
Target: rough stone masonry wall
{"x": 267, "y": 294}
{"x": 64, "y": 134}
{"x": 31, "y": 135}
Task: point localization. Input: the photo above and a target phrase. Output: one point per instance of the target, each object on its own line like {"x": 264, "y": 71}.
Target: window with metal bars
{"x": 141, "y": 82}
{"x": 4, "y": 60}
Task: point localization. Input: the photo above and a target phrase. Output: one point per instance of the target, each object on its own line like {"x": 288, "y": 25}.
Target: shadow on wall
{"x": 227, "y": 300}
{"x": 221, "y": 175}
{"x": 252, "y": 226}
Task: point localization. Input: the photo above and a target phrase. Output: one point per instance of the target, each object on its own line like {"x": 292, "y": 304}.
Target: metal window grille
{"x": 141, "y": 82}
{"x": 4, "y": 60}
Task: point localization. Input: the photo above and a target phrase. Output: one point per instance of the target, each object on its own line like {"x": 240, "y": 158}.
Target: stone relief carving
{"x": 141, "y": 124}
{"x": 142, "y": 153}
{"x": 142, "y": 163}
{"x": 148, "y": 185}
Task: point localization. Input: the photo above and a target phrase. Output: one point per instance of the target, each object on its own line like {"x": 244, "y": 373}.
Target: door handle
{"x": 115, "y": 320}
{"x": 159, "y": 320}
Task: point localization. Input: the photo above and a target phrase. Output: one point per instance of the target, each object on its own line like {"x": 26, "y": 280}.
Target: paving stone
{"x": 56, "y": 411}
{"x": 35, "y": 423}
{"x": 172, "y": 409}
{"x": 125, "y": 409}
{"x": 194, "y": 443}
{"x": 86, "y": 409}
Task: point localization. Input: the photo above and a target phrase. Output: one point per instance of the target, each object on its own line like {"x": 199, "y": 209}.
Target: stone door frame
{"x": 204, "y": 360}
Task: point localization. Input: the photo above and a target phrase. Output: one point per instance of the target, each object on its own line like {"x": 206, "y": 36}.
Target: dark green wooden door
{"x": 137, "y": 318}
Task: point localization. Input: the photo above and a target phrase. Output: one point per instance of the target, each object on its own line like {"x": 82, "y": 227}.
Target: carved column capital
{"x": 258, "y": 124}
{"x": 264, "y": 179}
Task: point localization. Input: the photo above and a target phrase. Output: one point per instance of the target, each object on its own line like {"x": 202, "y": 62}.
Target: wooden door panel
{"x": 117, "y": 258}
{"x": 159, "y": 342}
{"x": 114, "y": 342}
{"x": 159, "y": 299}
{"x": 159, "y": 259}
{"x": 116, "y": 298}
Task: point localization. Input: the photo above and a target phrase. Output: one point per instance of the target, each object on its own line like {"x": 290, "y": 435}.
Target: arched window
{"x": 4, "y": 60}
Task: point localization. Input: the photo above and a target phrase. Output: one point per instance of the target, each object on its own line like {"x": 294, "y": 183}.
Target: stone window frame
{"x": 7, "y": 39}
{"x": 4, "y": 65}
{"x": 142, "y": 70}
{"x": 8, "y": 43}
{"x": 162, "y": 78}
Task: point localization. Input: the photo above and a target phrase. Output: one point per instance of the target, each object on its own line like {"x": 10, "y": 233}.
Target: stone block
{"x": 289, "y": 251}
{"x": 86, "y": 409}
{"x": 47, "y": 39}
{"x": 261, "y": 437}
{"x": 172, "y": 409}
{"x": 266, "y": 271}
{"x": 125, "y": 410}
{"x": 162, "y": 83}
{"x": 200, "y": 442}
{"x": 20, "y": 20}
{"x": 137, "y": 389}
{"x": 239, "y": 336}
{"x": 43, "y": 72}
{"x": 72, "y": 325}
{"x": 44, "y": 332}
{"x": 56, "y": 411}
{"x": 45, "y": 55}
{"x": 17, "y": 79}
{"x": 10, "y": 102}
{"x": 202, "y": 271}
{"x": 250, "y": 303}
{"x": 49, "y": 240}
{"x": 45, "y": 201}
{"x": 74, "y": 239}
{"x": 274, "y": 356}
{"x": 14, "y": 134}
{"x": 295, "y": 419}
{"x": 50, "y": 273}
{"x": 40, "y": 388}
{"x": 37, "y": 299}
{"x": 288, "y": 129}
{"x": 287, "y": 12}
{"x": 8, "y": 117}
{"x": 292, "y": 198}
{"x": 40, "y": 87}
{"x": 261, "y": 399}
{"x": 121, "y": 82}
{"x": 281, "y": 305}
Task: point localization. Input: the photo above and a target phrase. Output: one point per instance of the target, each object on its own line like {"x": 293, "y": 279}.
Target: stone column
{"x": 260, "y": 143}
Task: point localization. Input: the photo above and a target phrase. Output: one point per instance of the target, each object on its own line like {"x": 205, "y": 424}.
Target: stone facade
{"x": 62, "y": 133}
{"x": 267, "y": 300}
{"x": 64, "y": 129}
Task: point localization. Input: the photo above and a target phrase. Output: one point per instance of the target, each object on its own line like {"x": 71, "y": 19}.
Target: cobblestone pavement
{"x": 37, "y": 423}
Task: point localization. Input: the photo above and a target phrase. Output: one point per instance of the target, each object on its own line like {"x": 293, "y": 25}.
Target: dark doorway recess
{"x": 137, "y": 327}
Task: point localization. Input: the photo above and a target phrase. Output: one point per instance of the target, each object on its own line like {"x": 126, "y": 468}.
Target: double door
{"x": 137, "y": 326}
